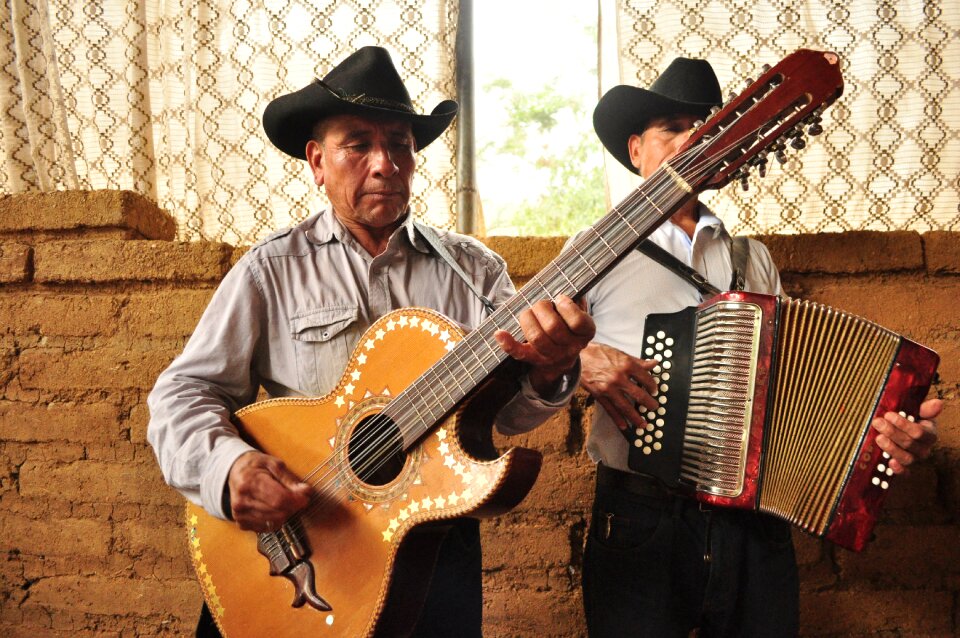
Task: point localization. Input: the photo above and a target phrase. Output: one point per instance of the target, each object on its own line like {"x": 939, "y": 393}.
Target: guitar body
{"x": 355, "y": 533}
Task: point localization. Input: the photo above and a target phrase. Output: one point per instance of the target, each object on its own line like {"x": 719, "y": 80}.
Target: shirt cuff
{"x": 568, "y": 384}
{"x": 217, "y": 470}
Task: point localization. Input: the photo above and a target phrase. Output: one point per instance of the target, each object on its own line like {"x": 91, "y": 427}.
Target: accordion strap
{"x": 739, "y": 254}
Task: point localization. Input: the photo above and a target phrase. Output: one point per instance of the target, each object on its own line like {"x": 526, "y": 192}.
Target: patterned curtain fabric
{"x": 889, "y": 158}
{"x": 165, "y": 98}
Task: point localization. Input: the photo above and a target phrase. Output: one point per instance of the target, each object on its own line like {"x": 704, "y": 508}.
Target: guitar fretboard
{"x": 581, "y": 264}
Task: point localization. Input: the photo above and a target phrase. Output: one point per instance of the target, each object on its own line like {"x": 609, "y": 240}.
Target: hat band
{"x": 365, "y": 100}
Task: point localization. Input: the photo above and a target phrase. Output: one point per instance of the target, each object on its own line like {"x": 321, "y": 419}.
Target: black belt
{"x": 636, "y": 484}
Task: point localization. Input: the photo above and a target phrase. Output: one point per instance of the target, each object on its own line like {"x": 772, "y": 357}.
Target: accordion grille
{"x": 830, "y": 370}
{"x": 721, "y": 397}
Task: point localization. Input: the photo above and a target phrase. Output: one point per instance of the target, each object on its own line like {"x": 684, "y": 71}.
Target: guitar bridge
{"x": 288, "y": 554}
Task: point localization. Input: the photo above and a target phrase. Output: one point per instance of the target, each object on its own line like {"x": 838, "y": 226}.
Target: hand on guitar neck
{"x": 264, "y": 493}
{"x": 555, "y": 334}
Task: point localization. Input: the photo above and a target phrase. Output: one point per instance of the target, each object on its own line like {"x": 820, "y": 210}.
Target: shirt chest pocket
{"x": 323, "y": 339}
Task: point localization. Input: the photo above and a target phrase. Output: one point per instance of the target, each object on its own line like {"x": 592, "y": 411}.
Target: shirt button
{"x": 326, "y": 335}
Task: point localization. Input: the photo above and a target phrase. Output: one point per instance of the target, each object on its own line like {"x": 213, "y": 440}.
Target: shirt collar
{"x": 708, "y": 221}
{"x": 328, "y": 228}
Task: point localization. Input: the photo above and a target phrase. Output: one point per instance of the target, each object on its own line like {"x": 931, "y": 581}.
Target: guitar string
{"x": 327, "y": 494}
{"x": 659, "y": 185}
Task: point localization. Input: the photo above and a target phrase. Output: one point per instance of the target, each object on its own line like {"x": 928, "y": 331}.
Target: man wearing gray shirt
{"x": 288, "y": 316}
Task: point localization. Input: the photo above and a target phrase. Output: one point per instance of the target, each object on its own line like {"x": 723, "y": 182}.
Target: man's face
{"x": 659, "y": 142}
{"x": 366, "y": 167}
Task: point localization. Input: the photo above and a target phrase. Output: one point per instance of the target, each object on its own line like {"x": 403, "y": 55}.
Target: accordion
{"x": 766, "y": 404}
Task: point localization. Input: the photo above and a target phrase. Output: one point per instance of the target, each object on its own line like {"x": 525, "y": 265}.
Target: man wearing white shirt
{"x": 658, "y": 563}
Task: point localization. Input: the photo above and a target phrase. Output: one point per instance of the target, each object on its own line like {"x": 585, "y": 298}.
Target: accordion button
{"x": 648, "y": 352}
{"x": 659, "y": 346}
{"x": 886, "y": 455}
{"x": 669, "y": 341}
{"x": 659, "y": 423}
{"x": 668, "y": 353}
{"x": 650, "y": 339}
{"x": 665, "y": 376}
{"x": 875, "y": 480}
{"x": 661, "y": 411}
{"x": 648, "y": 439}
{"x": 884, "y": 484}
{"x": 662, "y": 398}
{"x": 911, "y": 419}
{"x": 902, "y": 413}
{"x": 649, "y": 427}
{"x": 639, "y": 443}
{"x": 647, "y": 450}
{"x": 881, "y": 467}
{"x": 889, "y": 471}
{"x": 664, "y": 387}
{"x": 651, "y": 416}
{"x": 659, "y": 435}
{"x": 657, "y": 369}
{"x": 657, "y": 446}
{"x": 661, "y": 334}
{"x": 667, "y": 365}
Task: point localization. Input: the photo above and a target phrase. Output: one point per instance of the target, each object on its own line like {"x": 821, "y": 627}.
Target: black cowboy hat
{"x": 365, "y": 83}
{"x": 686, "y": 87}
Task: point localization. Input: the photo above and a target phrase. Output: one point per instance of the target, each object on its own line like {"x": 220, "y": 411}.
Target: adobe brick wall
{"x": 96, "y": 299}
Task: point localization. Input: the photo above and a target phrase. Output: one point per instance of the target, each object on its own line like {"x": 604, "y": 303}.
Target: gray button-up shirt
{"x": 287, "y": 318}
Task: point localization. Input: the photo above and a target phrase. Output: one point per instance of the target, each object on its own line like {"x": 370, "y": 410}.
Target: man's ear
{"x": 314, "y": 154}
{"x": 633, "y": 146}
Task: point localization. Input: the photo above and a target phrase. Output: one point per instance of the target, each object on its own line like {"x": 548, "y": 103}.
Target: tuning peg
{"x": 780, "y": 156}
{"x": 765, "y": 68}
{"x": 744, "y": 182}
{"x": 761, "y": 164}
{"x": 714, "y": 110}
{"x": 697, "y": 124}
{"x": 748, "y": 81}
{"x": 814, "y": 129}
{"x": 798, "y": 143}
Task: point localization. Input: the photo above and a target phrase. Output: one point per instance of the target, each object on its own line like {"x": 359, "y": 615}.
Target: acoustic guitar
{"x": 404, "y": 441}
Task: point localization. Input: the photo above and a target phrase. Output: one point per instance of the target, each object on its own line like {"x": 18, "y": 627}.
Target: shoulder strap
{"x": 433, "y": 239}
{"x": 679, "y": 268}
{"x": 739, "y": 254}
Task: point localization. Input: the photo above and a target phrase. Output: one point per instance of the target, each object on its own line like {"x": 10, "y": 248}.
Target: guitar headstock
{"x": 762, "y": 119}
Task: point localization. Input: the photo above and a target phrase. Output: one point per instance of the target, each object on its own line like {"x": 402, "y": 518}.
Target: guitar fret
{"x": 625, "y": 221}
{"x": 585, "y": 262}
{"x": 600, "y": 237}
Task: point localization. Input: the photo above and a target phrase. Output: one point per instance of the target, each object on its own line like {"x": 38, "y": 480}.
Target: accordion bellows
{"x": 766, "y": 404}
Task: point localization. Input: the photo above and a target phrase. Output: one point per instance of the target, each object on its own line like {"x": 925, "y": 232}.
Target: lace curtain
{"x": 889, "y": 158}
{"x": 165, "y": 98}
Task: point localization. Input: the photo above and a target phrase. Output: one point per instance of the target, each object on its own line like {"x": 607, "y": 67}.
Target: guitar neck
{"x": 572, "y": 273}
{"x": 760, "y": 120}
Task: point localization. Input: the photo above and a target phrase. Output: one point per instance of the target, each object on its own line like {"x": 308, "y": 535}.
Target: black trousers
{"x": 454, "y": 604}
{"x": 659, "y": 565}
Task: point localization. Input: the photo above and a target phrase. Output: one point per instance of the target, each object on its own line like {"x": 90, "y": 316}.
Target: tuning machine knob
{"x": 760, "y": 163}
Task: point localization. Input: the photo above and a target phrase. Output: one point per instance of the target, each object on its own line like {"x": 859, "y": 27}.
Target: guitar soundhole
{"x": 375, "y": 450}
